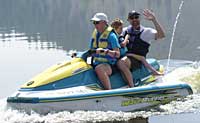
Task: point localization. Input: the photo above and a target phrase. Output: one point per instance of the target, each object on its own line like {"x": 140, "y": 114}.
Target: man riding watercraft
{"x": 137, "y": 41}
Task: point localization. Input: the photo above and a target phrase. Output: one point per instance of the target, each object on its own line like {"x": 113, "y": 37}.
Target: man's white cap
{"x": 99, "y": 17}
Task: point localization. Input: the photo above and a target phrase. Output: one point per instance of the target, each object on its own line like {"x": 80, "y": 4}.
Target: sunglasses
{"x": 96, "y": 22}
{"x": 134, "y": 17}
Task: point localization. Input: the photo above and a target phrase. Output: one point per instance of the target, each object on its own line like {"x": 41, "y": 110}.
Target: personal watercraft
{"x": 73, "y": 85}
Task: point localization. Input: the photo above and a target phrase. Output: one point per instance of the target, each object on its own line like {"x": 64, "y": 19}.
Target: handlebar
{"x": 92, "y": 51}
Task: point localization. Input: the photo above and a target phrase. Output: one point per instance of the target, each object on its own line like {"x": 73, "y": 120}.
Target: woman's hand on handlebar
{"x": 100, "y": 50}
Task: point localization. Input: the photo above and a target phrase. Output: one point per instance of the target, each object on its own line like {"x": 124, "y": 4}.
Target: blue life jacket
{"x": 102, "y": 42}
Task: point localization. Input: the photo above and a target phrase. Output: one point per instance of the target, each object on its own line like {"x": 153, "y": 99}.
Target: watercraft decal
{"x": 152, "y": 100}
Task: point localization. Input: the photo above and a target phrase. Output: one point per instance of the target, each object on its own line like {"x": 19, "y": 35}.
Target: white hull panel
{"x": 116, "y": 103}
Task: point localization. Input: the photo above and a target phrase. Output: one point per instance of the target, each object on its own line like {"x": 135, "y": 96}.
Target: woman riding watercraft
{"x": 104, "y": 38}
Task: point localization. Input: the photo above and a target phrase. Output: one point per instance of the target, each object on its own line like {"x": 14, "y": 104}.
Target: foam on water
{"x": 184, "y": 105}
{"x": 189, "y": 74}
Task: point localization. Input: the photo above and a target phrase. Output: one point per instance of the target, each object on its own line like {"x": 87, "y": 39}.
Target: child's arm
{"x": 126, "y": 41}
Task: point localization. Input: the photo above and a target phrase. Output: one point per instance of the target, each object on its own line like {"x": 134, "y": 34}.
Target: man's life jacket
{"x": 136, "y": 45}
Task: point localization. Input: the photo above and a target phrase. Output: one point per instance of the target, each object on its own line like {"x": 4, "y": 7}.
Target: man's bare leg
{"x": 146, "y": 64}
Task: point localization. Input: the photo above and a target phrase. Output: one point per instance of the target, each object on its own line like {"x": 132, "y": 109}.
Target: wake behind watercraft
{"x": 73, "y": 85}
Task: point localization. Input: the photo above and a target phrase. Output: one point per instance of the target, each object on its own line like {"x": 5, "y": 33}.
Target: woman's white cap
{"x": 99, "y": 17}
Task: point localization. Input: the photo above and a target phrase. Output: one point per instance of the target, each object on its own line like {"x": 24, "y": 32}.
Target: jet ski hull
{"x": 73, "y": 85}
{"x": 128, "y": 99}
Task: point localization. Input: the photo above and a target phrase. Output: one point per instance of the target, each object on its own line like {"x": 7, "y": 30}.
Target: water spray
{"x": 173, "y": 34}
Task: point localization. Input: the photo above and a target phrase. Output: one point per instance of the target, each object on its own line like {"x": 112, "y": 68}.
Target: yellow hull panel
{"x": 57, "y": 72}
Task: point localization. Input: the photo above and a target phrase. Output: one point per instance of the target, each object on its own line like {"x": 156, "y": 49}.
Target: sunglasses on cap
{"x": 96, "y": 22}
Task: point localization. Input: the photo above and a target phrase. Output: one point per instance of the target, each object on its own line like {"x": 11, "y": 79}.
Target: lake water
{"x": 35, "y": 34}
